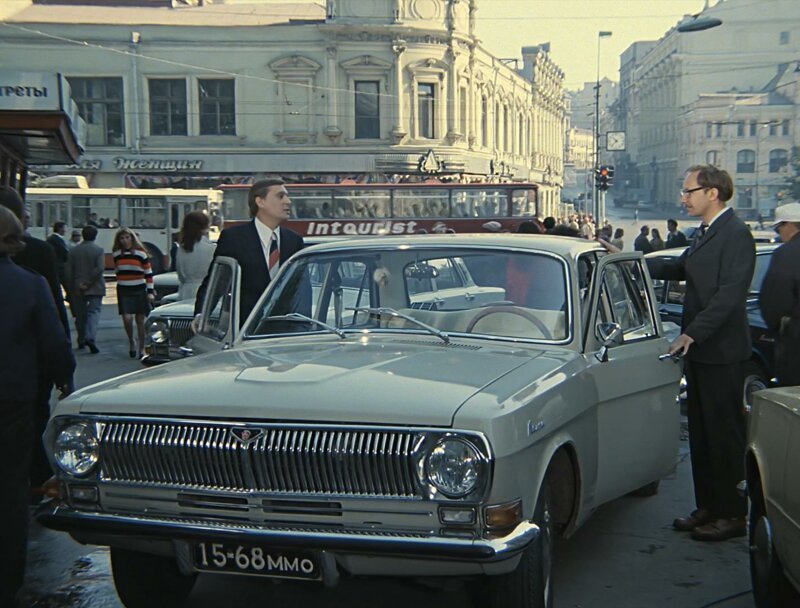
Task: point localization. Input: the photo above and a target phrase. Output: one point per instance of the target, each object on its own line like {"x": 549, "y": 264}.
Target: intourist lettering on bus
{"x": 355, "y": 228}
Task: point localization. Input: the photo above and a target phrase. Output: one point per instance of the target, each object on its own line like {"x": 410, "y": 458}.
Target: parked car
{"x": 760, "y": 369}
{"x": 773, "y": 450}
{"x": 376, "y": 433}
{"x": 166, "y": 285}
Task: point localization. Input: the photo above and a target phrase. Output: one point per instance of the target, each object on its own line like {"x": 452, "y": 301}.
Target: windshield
{"x": 482, "y": 292}
{"x": 762, "y": 265}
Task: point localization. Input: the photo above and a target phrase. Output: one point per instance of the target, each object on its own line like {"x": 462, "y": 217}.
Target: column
{"x": 398, "y": 131}
{"x": 332, "y": 129}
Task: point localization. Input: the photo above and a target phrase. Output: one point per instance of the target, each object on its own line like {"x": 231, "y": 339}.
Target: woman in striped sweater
{"x": 135, "y": 293}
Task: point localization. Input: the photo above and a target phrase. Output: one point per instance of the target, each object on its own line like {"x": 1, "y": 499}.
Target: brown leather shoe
{"x": 720, "y": 529}
{"x": 698, "y": 517}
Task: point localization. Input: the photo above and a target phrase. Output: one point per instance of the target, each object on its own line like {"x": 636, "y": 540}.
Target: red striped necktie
{"x": 274, "y": 255}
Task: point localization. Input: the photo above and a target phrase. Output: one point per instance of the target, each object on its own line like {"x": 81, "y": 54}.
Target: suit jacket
{"x": 718, "y": 269}
{"x": 676, "y": 240}
{"x": 641, "y": 243}
{"x": 242, "y": 244}
{"x": 33, "y": 346}
{"x": 86, "y": 265}
{"x": 39, "y": 257}
{"x": 60, "y": 247}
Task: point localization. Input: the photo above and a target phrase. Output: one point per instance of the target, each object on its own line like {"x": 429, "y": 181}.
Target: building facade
{"x": 662, "y": 82}
{"x": 361, "y": 89}
{"x": 753, "y": 135}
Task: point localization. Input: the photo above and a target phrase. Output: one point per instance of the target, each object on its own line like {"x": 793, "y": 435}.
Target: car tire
{"x": 771, "y": 588}
{"x": 530, "y": 585}
{"x": 650, "y": 489}
{"x": 143, "y": 580}
{"x": 755, "y": 379}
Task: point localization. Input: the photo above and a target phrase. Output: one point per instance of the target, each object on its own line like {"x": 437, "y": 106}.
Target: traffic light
{"x": 604, "y": 177}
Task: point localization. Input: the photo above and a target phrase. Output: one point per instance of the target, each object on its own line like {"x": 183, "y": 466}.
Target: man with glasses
{"x": 780, "y": 295}
{"x": 715, "y": 342}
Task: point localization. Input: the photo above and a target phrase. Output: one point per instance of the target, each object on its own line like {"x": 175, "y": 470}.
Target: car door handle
{"x": 676, "y": 357}
{"x": 469, "y": 297}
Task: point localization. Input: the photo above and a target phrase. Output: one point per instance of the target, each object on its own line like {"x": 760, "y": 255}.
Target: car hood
{"x": 358, "y": 380}
{"x": 182, "y": 308}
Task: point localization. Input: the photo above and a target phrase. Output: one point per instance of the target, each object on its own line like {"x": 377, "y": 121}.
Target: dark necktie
{"x": 702, "y": 231}
{"x": 274, "y": 256}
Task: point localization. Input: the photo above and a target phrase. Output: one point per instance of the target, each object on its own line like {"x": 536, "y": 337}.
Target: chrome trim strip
{"x": 59, "y": 517}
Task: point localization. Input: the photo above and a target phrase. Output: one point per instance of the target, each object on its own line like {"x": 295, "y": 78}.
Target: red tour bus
{"x": 351, "y": 209}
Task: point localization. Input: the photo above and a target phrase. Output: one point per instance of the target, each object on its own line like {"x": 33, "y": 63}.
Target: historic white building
{"x": 196, "y": 95}
{"x": 664, "y": 79}
{"x": 752, "y": 135}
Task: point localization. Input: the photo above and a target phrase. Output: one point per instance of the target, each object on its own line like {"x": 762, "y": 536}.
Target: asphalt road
{"x": 625, "y": 556}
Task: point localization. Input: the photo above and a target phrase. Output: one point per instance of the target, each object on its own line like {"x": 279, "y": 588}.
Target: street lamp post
{"x": 596, "y": 164}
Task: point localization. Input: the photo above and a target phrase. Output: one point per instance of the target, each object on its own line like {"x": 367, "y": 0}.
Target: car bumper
{"x": 57, "y": 516}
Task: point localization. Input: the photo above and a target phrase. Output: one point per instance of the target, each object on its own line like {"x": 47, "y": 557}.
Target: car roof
{"x": 761, "y": 248}
{"x": 570, "y": 247}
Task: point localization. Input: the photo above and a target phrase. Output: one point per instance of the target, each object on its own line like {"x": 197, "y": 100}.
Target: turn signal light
{"x": 506, "y": 515}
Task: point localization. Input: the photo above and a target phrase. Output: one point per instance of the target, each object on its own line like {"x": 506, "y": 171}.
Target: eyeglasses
{"x": 688, "y": 191}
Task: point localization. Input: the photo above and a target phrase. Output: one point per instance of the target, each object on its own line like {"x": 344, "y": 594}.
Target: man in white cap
{"x": 780, "y": 295}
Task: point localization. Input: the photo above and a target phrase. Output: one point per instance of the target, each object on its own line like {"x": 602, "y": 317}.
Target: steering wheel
{"x": 511, "y": 310}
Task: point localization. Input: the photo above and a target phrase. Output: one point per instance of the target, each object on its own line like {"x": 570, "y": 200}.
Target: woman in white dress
{"x": 194, "y": 255}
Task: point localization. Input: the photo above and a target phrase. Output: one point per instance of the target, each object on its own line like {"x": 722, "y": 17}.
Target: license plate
{"x": 257, "y": 560}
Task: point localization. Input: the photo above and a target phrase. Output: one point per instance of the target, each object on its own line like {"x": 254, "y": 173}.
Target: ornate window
{"x": 296, "y": 97}
{"x": 778, "y": 159}
{"x": 367, "y": 77}
{"x": 712, "y": 157}
{"x": 745, "y": 161}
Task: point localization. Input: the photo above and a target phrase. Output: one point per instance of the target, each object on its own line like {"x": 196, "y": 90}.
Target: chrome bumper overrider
{"x": 61, "y": 517}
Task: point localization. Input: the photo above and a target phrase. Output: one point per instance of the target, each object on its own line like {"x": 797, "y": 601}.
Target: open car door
{"x": 219, "y": 323}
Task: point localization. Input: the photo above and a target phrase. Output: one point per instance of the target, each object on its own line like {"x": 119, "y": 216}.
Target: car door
{"x": 219, "y": 321}
{"x": 637, "y": 414}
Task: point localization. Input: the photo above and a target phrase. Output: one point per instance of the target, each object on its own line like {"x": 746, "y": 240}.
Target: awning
{"x": 39, "y": 138}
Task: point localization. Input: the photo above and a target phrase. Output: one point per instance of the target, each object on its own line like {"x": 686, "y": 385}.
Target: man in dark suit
{"x": 675, "y": 238}
{"x": 58, "y": 242}
{"x": 642, "y": 243}
{"x": 715, "y": 342}
{"x": 261, "y": 246}
{"x": 780, "y": 295}
{"x": 39, "y": 257}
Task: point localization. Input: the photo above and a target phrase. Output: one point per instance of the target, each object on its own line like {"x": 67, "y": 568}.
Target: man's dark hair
{"x": 529, "y": 227}
{"x": 549, "y": 223}
{"x": 10, "y": 233}
{"x": 564, "y": 230}
{"x": 644, "y": 229}
{"x": 89, "y": 233}
{"x": 672, "y": 222}
{"x": 260, "y": 188}
{"x": 59, "y": 225}
{"x": 709, "y": 176}
{"x": 11, "y": 200}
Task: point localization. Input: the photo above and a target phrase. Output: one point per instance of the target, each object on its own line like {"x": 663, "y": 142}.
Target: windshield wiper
{"x": 296, "y": 316}
{"x": 396, "y": 313}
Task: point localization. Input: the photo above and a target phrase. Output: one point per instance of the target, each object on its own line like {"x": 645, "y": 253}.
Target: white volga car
{"x": 355, "y": 425}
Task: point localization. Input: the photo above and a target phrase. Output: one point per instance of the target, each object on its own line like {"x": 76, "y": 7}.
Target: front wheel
{"x": 149, "y": 581}
{"x": 755, "y": 379}
{"x": 771, "y": 588}
{"x": 531, "y": 584}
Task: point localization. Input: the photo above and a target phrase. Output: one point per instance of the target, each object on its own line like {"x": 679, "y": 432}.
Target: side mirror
{"x": 611, "y": 335}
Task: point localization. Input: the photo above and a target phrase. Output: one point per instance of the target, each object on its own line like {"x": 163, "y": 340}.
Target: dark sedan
{"x": 760, "y": 368}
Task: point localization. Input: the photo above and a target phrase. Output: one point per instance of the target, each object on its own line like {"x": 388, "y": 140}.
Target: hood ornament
{"x": 245, "y": 435}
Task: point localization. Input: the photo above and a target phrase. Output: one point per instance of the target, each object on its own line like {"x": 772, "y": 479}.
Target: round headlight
{"x": 158, "y": 331}
{"x": 454, "y": 467}
{"x": 76, "y": 450}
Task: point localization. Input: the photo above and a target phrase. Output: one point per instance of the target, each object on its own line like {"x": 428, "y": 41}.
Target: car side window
{"x": 624, "y": 297}
{"x": 217, "y": 308}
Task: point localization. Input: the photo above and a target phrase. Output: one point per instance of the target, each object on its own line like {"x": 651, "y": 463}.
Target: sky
{"x": 571, "y": 27}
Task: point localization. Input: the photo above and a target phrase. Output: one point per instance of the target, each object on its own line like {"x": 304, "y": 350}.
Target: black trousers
{"x": 40, "y": 470}
{"x": 716, "y": 436}
{"x": 16, "y": 435}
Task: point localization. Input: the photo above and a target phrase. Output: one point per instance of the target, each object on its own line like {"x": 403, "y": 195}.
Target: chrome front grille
{"x": 180, "y": 330}
{"x": 275, "y": 459}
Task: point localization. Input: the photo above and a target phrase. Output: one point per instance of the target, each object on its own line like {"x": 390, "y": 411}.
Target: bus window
{"x": 144, "y": 212}
{"x": 363, "y": 203}
{"x": 523, "y": 203}
{"x": 311, "y": 203}
{"x": 236, "y": 206}
{"x": 37, "y": 212}
{"x": 98, "y": 211}
{"x": 421, "y": 203}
